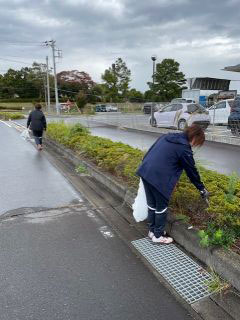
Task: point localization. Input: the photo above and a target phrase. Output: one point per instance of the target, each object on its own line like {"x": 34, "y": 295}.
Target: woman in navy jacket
{"x": 160, "y": 171}
{"x": 37, "y": 123}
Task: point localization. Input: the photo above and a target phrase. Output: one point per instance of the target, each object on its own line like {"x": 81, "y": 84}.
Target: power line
{"x": 86, "y": 94}
{"x": 64, "y": 90}
{"x": 24, "y": 43}
{"x": 17, "y": 61}
{"x": 20, "y": 57}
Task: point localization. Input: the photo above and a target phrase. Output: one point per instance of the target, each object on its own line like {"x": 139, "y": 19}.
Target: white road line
{"x": 6, "y": 123}
{"x": 92, "y": 216}
{"x": 17, "y": 125}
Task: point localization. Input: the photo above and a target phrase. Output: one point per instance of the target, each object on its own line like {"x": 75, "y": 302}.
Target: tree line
{"x": 29, "y": 83}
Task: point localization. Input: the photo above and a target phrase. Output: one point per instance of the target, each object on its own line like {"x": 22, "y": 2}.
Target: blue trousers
{"x": 37, "y": 134}
{"x": 157, "y": 209}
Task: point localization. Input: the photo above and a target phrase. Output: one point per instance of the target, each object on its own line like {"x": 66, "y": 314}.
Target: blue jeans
{"x": 37, "y": 134}
{"x": 157, "y": 209}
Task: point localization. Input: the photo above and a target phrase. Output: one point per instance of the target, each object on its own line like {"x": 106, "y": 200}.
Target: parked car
{"x": 182, "y": 100}
{"x": 101, "y": 108}
{"x": 222, "y": 111}
{"x": 234, "y": 117}
{"x": 179, "y": 115}
{"x": 148, "y": 106}
{"x": 110, "y": 108}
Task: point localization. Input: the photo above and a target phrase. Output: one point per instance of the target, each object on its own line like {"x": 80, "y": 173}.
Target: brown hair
{"x": 38, "y": 106}
{"x": 195, "y": 134}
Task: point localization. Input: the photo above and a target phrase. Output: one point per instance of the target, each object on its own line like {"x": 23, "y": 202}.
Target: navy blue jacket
{"x": 165, "y": 161}
{"x": 37, "y": 121}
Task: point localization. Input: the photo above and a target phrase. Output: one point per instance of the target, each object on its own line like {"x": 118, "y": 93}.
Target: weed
{"x": 11, "y": 115}
{"x": 232, "y": 187}
{"x": 81, "y": 169}
{"x": 216, "y": 284}
{"x": 183, "y": 217}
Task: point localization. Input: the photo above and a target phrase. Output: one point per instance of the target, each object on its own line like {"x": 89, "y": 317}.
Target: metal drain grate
{"x": 183, "y": 274}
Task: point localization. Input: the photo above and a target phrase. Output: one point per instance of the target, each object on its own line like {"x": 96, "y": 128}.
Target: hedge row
{"x": 11, "y": 115}
{"x": 17, "y": 100}
{"x": 220, "y": 222}
{"x": 12, "y": 108}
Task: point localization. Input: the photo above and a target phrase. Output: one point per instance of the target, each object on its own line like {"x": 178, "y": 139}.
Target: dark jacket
{"x": 37, "y": 121}
{"x": 165, "y": 161}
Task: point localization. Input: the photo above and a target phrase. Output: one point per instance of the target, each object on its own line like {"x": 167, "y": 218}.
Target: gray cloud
{"x": 202, "y": 35}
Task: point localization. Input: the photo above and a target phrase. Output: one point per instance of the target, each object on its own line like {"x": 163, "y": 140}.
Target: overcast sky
{"x": 202, "y": 35}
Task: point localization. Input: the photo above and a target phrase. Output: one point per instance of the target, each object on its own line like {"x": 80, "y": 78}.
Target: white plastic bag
{"x": 140, "y": 209}
{"x": 25, "y": 134}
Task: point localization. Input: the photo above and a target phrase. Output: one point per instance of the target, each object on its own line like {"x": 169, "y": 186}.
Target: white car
{"x": 222, "y": 111}
{"x": 179, "y": 115}
{"x": 111, "y": 108}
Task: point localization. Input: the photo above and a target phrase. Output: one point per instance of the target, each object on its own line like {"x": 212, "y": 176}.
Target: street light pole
{"x": 114, "y": 73}
{"x": 154, "y": 58}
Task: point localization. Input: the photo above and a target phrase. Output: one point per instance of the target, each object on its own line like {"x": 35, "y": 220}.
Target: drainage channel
{"x": 182, "y": 273}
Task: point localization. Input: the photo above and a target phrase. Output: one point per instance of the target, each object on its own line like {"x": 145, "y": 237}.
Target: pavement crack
{"x": 36, "y": 212}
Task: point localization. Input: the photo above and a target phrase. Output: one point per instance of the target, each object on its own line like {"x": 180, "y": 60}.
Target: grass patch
{"x": 183, "y": 218}
{"x": 11, "y": 115}
{"x": 220, "y": 222}
{"x": 81, "y": 169}
{"x": 16, "y": 106}
{"x": 216, "y": 284}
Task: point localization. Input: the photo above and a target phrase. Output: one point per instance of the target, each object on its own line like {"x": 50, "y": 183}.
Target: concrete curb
{"x": 225, "y": 263}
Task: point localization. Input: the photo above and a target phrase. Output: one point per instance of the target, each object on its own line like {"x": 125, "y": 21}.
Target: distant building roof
{"x": 233, "y": 68}
{"x": 209, "y": 83}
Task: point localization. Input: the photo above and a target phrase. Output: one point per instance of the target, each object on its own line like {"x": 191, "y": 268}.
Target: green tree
{"x": 135, "y": 96}
{"x": 25, "y": 83}
{"x": 81, "y": 100}
{"x": 96, "y": 94}
{"x": 116, "y": 81}
{"x": 169, "y": 81}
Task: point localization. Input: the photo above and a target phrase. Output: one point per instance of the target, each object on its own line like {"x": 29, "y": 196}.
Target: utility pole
{"x": 52, "y": 44}
{"x": 48, "y": 88}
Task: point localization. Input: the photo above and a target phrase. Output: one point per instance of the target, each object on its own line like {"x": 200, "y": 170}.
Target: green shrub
{"x": 11, "y": 116}
{"x": 78, "y": 130}
{"x": 17, "y": 100}
{"x": 220, "y": 222}
{"x": 12, "y": 108}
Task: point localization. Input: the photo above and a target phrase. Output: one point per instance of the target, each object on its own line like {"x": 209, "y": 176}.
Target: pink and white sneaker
{"x": 162, "y": 240}
{"x": 150, "y": 234}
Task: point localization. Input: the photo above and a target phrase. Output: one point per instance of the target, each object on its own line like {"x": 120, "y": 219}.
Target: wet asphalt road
{"x": 27, "y": 177}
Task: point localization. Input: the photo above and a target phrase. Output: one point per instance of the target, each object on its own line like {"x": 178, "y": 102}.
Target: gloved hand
{"x": 204, "y": 194}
